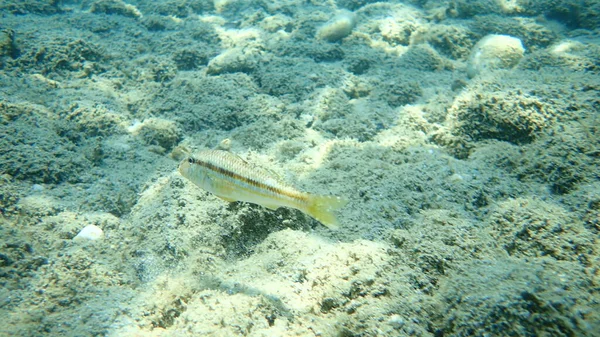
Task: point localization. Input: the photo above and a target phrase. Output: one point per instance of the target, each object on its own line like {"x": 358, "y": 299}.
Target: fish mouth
{"x": 183, "y": 166}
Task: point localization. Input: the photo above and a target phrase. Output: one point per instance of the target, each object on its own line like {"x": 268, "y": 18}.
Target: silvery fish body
{"x": 233, "y": 179}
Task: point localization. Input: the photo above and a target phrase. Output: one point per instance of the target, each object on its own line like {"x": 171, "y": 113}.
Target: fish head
{"x": 190, "y": 169}
{"x": 185, "y": 166}
{"x": 196, "y": 171}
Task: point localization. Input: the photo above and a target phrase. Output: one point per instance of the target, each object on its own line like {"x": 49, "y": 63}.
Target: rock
{"x": 238, "y": 59}
{"x": 7, "y": 43}
{"x": 157, "y": 131}
{"x": 115, "y": 7}
{"x": 494, "y": 52}
{"x": 337, "y": 28}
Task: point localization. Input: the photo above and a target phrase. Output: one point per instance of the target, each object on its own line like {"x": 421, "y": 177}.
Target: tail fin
{"x": 322, "y": 208}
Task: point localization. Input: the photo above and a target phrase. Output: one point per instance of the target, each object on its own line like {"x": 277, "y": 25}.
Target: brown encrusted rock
{"x": 489, "y": 110}
{"x": 511, "y": 116}
{"x": 572, "y": 13}
{"x": 397, "y": 93}
{"x": 534, "y": 34}
{"x": 7, "y": 43}
{"x": 513, "y": 297}
{"x": 161, "y": 132}
{"x": 94, "y": 121}
{"x": 454, "y": 42}
{"x": 117, "y": 7}
{"x": 570, "y": 55}
{"x": 35, "y": 148}
{"x": 44, "y": 7}
{"x": 534, "y": 228}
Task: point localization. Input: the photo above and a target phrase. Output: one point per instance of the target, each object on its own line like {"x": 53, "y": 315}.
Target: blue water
{"x": 464, "y": 134}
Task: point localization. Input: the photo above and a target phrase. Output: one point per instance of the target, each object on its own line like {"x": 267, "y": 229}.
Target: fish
{"x": 231, "y": 178}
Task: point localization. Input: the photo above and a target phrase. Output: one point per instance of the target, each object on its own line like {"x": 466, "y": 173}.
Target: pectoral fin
{"x": 221, "y": 188}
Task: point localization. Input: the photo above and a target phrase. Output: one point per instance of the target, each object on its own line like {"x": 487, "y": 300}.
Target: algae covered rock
{"x": 510, "y": 297}
{"x": 234, "y": 60}
{"x": 158, "y": 131}
{"x": 534, "y": 228}
{"x": 566, "y": 54}
{"x": 510, "y": 116}
{"x": 7, "y": 43}
{"x": 37, "y": 150}
{"x": 116, "y": 7}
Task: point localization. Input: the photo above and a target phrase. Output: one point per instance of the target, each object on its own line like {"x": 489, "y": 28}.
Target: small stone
{"x": 90, "y": 232}
{"x": 396, "y": 321}
{"x": 37, "y": 188}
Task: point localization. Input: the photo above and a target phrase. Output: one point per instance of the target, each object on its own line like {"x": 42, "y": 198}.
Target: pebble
{"x": 396, "y": 321}
{"x": 37, "y": 188}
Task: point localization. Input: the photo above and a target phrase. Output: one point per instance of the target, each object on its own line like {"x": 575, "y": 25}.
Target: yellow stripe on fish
{"x": 231, "y": 178}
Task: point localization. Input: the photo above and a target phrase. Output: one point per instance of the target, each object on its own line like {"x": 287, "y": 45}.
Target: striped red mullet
{"x": 231, "y": 178}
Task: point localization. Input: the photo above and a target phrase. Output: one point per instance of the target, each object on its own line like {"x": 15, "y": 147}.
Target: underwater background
{"x": 465, "y": 135}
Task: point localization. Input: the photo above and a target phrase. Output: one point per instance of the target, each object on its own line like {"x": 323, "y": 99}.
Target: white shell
{"x": 90, "y": 232}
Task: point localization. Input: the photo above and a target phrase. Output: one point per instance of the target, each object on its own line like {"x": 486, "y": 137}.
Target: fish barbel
{"x": 231, "y": 178}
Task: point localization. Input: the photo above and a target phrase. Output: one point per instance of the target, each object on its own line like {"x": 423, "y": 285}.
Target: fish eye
{"x": 191, "y": 160}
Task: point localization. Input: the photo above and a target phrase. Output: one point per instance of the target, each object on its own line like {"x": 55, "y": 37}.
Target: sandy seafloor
{"x": 474, "y": 201}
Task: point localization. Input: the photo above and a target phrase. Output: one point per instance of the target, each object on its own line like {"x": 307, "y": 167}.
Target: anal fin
{"x": 271, "y": 207}
{"x": 226, "y": 198}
